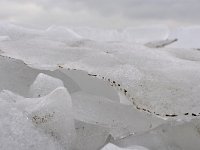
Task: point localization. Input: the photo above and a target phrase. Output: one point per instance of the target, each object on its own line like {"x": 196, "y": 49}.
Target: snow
{"x": 91, "y": 89}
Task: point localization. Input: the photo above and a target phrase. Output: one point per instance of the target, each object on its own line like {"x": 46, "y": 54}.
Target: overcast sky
{"x": 100, "y": 13}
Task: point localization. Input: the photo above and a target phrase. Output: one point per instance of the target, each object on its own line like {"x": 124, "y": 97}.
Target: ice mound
{"x": 53, "y": 114}
{"x": 43, "y": 85}
{"x": 114, "y": 147}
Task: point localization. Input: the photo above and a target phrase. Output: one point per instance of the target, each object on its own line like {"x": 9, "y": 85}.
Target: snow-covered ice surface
{"x": 95, "y": 89}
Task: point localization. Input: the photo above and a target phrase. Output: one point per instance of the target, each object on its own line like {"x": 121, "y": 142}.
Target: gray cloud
{"x": 101, "y": 13}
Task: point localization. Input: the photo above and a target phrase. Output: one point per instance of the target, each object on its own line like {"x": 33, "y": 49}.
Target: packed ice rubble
{"x": 163, "y": 81}
{"x": 66, "y": 120}
{"x": 79, "y": 120}
{"x": 52, "y": 96}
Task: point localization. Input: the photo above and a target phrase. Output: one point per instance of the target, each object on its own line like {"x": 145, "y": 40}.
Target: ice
{"x": 17, "y": 132}
{"x": 53, "y": 115}
{"x": 37, "y": 49}
{"x": 43, "y": 85}
{"x": 114, "y": 147}
{"x": 185, "y": 54}
{"x": 92, "y": 85}
{"x": 121, "y": 119}
{"x": 154, "y": 33}
{"x": 173, "y": 136}
{"x": 123, "y": 92}
{"x": 15, "y": 32}
{"x": 10, "y": 97}
{"x": 61, "y": 34}
{"x": 124, "y": 100}
{"x": 157, "y": 80}
{"x": 160, "y": 44}
{"x": 90, "y": 136}
{"x": 18, "y": 77}
{"x": 4, "y": 38}
{"x": 129, "y": 34}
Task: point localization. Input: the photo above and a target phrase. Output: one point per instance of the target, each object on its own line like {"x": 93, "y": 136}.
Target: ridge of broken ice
{"x": 73, "y": 109}
{"x": 54, "y": 115}
{"x": 157, "y": 80}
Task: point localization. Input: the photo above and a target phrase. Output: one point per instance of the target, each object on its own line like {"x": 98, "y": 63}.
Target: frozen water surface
{"x": 94, "y": 89}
